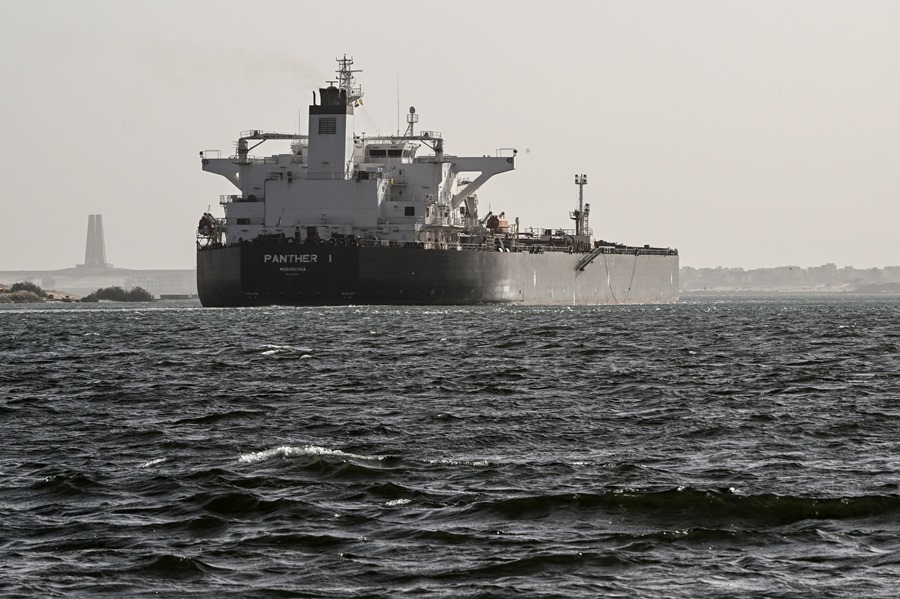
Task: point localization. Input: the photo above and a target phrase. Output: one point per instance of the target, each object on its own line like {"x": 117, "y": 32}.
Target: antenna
{"x": 345, "y": 73}
{"x": 345, "y": 79}
{"x": 398, "y": 103}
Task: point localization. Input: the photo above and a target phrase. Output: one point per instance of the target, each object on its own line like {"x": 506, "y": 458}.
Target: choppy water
{"x": 712, "y": 448}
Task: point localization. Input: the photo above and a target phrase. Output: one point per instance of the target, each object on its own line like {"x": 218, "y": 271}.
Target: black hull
{"x": 281, "y": 274}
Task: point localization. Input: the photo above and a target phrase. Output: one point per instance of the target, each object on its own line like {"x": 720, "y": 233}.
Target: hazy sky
{"x": 745, "y": 134}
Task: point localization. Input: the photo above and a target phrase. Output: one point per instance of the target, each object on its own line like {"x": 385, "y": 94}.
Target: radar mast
{"x": 580, "y": 216}
{"x": 411, "y": 119}
{"x": 346, "y": 82}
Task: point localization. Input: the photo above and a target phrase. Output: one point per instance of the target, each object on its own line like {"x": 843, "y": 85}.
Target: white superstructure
{"x": 334, "y": 184}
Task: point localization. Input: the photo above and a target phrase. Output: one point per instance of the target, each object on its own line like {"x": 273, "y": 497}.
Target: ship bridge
{"x": 340, "y": 182}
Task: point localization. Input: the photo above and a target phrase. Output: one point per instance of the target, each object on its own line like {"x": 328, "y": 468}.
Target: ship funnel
{"x": 330, "y": 149}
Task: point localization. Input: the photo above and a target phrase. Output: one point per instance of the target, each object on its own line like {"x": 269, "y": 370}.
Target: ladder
{"x": 589, "y": 257}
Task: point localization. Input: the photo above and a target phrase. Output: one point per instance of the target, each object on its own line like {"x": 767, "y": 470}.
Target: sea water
{"x": 712, "y": 448}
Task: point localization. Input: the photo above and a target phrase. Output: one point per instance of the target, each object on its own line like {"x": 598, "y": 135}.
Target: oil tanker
{"x": 344, "y": 218}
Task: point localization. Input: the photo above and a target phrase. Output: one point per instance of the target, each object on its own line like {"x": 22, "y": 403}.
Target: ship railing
{"x": 257, "y": 133}
{"x": 637, "y": 251}
{"x": 228, "y": 199}
{"x": 255, "y": 160}
{"x": 428, "y": 199}
{"x": 549, "y": 232}
{"x": 485, "y": 246}
{"x": 325, "y": 176}
{"x": 510, "y": 245}
{"x": 432, "y": 158}
{"x": 370, "y": 242}
{"x": 544, "y": 232}
{"x": 517, "y": 246}
{"x": 441, "y": 221}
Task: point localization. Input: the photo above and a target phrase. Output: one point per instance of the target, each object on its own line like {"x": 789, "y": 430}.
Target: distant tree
{"x": 139, "y": 294}
{"x": 117, "y": 294}
{"x": 27, "y": 286}
{"x": 20, "y": 297}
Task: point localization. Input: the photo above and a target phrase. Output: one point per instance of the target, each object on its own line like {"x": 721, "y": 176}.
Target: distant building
{"x": 83, "y": 281}
{"x": 827, "y": 277}
{"x": 95, "y": 248}
{"x": 96, "y": 273}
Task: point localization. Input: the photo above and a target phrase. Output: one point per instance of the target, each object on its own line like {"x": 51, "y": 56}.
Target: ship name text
{"x": 289, "y": 258}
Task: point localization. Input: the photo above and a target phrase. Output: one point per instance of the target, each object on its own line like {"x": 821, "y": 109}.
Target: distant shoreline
{"x": 867, "y": 290}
